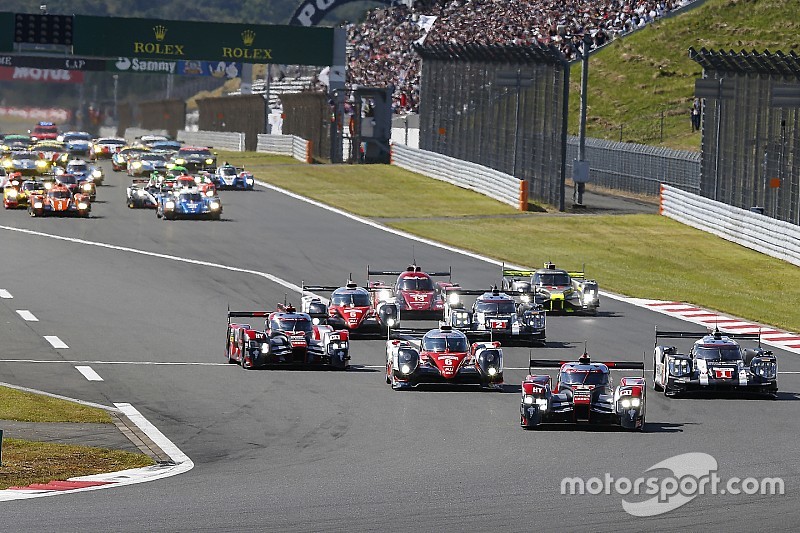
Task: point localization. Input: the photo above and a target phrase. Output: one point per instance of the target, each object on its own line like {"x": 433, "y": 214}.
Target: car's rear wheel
{"x": 243, "y": 352}
{"x": 656, "y": 386}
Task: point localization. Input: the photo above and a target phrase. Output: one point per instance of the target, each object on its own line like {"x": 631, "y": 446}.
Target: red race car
{"x": 288, "y": 339}
{"x": 443, "y": 356}
{"x": 350, "y": 307}
{"x": 583, "y": 393}
{"x": 415, "y": 294}
{"x": 59, "y": 200}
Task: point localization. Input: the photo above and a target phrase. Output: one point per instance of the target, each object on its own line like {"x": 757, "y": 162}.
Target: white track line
{"x": 89, "y": 373}
{"x": 55, "y": 342}
{"x": 27, "y": 315}
{"x": 5, "y": 294}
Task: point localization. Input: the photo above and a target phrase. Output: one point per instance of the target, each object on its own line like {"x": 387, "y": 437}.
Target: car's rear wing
{"x": 410, "y": 268}
{"x": 699, "y": 335}
{"x": 247, "y": 314}
{"x": 140, "y": 181}
{"x": 617, "y": 365}
{"x": 309, "y": 288}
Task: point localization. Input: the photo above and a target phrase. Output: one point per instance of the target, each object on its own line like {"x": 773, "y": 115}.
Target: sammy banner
{"x": 216, "y": 69}
{"x": 311, "y": 12}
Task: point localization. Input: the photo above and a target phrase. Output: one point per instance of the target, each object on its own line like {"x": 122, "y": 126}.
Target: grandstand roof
{"x": 748, "y": 62}
{"x": 493, "y": 53}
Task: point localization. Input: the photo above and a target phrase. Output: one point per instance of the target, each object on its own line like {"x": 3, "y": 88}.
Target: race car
{"x": 498, "y": 314}
{"x": 17, "y": 192}
{"x": 583, "y": 393}
{"x": 86, "y": 174}
{"x": 26, "y": 163}
{"x": 188, "y": 203}
{"x": 288, "y": 339}
{"x": 105, "y": 147}
{"x": 196, "y": 158}
{"x": 350, "y": 308}
{"x": 51, "y": 151}
{"x": 415, "y": 294}
{"x": 15, "y": 142}
{"x": 715, "y": 362}
{"x": 230, "y": 177}
{"x": 59, "y": 200}
{"x": 442, "y": 356}
{"x": 140, "y": 194}
{"x": 119, "y": 160}
{"x": 44, "y": 131}
{"x": 146, "y": 163}
{"x": 150, "y": 140}
{"x": 558, "y": 290}
{"x": 76, "y": 183}
{"x": 167, "y": 148}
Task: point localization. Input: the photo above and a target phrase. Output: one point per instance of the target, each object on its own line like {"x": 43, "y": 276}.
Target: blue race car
{"x": 230, "y": 177}
{"x": 188, "y": 203}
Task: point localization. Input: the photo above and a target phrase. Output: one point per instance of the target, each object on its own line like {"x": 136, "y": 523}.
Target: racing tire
{"x": 656, "y": 386}
{"x": 525, "y": 425}
{"x": 245, "y": 364}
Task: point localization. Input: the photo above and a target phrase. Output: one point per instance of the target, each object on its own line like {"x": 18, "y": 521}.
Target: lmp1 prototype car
{"x": 350, "y": 307}
{"x": 415, "y": 294}
{"x": 59, "y": 200}
{"x": 142, "y": 194}
{"x": 230, "y": 177}
{"x": 443, "y": 356}
{"x": 556, "y": 289}
{"x": 583, "y": 394}
{"x": 289, "y": 339}
{"x": 497, "y": 314}
{"x": 716, "y": 362}
{"x": 188, "y": 203}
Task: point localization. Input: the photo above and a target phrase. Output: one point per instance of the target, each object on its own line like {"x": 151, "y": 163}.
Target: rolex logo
{"x": 248, "y": 36}
{"x": 160, "y": 32}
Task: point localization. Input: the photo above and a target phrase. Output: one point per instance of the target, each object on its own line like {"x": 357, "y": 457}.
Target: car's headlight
{"x": 180, "y": 161}
{"x": 214, "y": 205}
{"x": 97, "y": 173}
{"x": 87, "y": 186}
{"x": 679, "y": 367}
{"x": 170, "y": 204}
{"x": 384, "y": 295}
{"x": 390, "y": 322}
{"x": 209, "y": 193}
{"x": 628, "y": 403}
{"x": 136, "y": 165}
{"x": 209, "y": 161}
{"x": 38, "y": 205}
{"x": 83, "y": 205}
{"x": 140, "y": 192}
{"x": 12, "y": 193}
{"x": 8, "y": 164}
{"x": 48, "y": 185}
{"x": 249, "y": 181}
{"x": 525, "y": 298}
{"x": 528, "y": 399}
{"x": 453, "y": 298}
{"x": 765, "y": 369}
{"x": 41, "y": 164}
{"x": 542, "y": 403}
{"x": 492, "y": 371}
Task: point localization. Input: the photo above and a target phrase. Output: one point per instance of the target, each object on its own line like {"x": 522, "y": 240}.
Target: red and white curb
{"x": 180, "y": 464}
{"x": 691, "y": 313}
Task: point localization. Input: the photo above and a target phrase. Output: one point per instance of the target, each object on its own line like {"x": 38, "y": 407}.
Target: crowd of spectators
{"x": 380, "y": 49}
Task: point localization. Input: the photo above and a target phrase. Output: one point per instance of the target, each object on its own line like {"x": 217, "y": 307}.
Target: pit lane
{"x": 286, "y": 450}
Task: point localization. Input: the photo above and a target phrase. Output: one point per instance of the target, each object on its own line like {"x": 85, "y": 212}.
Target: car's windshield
{"x": 441, "y": 344}
{"x": 499, "y": 307}
{"x": 555, "y": 279}
{"x": 25, "y": 156}
{"x": 77, "y": 167}
{"x": 584, "y": 378}
{"x": 227, "y": 171}
{"x": 185, "y": 153}
{"x": 77, "y": 137}
{"x": 357, "y": 299}
{"x": 166, "y": 145}
{"x": 45, "y": 129}
{"x": 32, "y": 186}
{"x": 727, "y": 352}
{"x": 59, "y": 194}
{"x": 67, "y": 179}
{"x": 117, "y": 142}
{"x": 191, "y": 197}
{"x": 292, "y": 324}
{"x": 153, "y": 157}
{"x": 417, "y": 283}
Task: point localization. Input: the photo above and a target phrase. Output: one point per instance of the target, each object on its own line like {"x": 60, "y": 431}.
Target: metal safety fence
{"x": 291, "y": 145}
{"x": 225, "y": 140}
{"x": 502, "y": 107}
{"x": 752, "y": 230}
{"x": 636, "y": 168}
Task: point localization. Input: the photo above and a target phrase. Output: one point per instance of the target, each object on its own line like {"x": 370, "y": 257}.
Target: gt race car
{"x": 105, "y": 147}
{"x": 350, "y": 307}
{"x": 556, "y": 289}
{"x": 442, "y": 356}
{"x": 715, "y": 362}
{"x": 583, "y": 393}
{"x": 17, "y": 193}
{"x": 498, "y": 314}
{"x": 288, "y": 339}
{"x": 414, "y": 292}
{"x": 196, "y": 158}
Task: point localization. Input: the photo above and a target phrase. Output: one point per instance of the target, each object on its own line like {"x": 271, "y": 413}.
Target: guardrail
{"x": 297, "y": 147}
{"x": 769, "y": 236}
{"x": 487, "y": 181}
{"x": 225, "y": 140}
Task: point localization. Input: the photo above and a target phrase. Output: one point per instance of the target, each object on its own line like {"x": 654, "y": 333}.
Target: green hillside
{"x": 637, "y": 78}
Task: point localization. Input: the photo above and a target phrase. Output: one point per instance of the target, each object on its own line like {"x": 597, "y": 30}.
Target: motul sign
{"x": 40, "y": 75}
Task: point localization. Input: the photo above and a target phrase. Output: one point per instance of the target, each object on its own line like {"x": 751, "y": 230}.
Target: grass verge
{"x": 28, "y": 407}
{"x": 26, "y": 462}
{"x": 646, "y": 256}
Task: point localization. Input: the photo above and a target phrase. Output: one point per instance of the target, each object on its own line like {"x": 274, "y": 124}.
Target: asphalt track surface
{"x": 302, "y": 451}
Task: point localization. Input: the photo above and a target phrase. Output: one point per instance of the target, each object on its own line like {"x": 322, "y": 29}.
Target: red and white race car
{"x": 415, "y": 294}
{"x": 59, "y": 200}
{"x": 442, "y": 356}
{"x": 350, "y": 307}
{"x": 583, "y": 393}
{"x": 288, "y": 339}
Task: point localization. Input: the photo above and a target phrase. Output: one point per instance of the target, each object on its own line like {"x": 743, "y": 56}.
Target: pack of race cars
{"x": 466, "y": 347}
